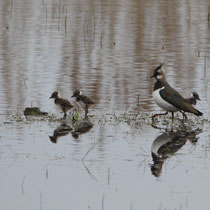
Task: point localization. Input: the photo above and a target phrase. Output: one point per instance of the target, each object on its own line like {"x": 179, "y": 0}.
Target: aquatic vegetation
{"x": 130, "y": 118}
{"x": 34, "y": 111}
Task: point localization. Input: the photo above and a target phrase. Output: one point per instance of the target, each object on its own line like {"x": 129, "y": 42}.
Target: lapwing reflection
{"x": 80, "y": 127}
{"x": 61, "y": 130}
{"x": 167, "y": 144}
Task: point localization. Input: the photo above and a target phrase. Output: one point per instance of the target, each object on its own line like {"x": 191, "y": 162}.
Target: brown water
{"x": 108, "y": 49}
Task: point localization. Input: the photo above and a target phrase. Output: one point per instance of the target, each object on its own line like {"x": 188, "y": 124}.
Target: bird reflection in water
{"x": 79, "y": 127}
{"x": 167, "y": 144}
{"x": 61, "y": 130}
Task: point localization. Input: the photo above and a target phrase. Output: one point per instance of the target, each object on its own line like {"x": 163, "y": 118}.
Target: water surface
{"x": 108, "y": 49}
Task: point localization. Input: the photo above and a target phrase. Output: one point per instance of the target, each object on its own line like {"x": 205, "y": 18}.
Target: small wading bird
{"x": 168, "y": 98}
{"x": 63, "y": 104}
{"x": 191, "y": 100}
{"x": 83, "y": 100}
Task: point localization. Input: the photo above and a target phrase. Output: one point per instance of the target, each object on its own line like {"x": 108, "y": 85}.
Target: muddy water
{"x": 108, "y": 49}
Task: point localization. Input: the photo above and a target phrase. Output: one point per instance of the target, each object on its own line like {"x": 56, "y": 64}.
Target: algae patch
{"x": 34, "y": 111}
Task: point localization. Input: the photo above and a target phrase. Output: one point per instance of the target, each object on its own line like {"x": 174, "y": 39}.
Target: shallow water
{"x": 108, "y": 49}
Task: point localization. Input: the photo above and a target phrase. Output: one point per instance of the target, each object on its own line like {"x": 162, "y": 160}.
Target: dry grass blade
{"x": 46, "y": 18}
{"x": 84, "y": 29}
{"x": 89, "y": 172}
{"x": 108, "y": 176}
{"x": 209, "y": 15}
{"x": 102, "y": 203}
{"x": 40, "y": 200}
{"x": 11, "y": 10}
{"x": 22, "y": 187}
{"x": 66, "y": 22}
{"x": 89, "y": 151}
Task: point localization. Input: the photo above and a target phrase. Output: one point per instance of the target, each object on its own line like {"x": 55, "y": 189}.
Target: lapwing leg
{"x": 73, "y": 118}
{"x": 172, "y": 113}
{"x": 64, "y": 116}
{"x": 184, "y": 116}
{"x": 86, "y": 111}
{"x": 155, "y": 115}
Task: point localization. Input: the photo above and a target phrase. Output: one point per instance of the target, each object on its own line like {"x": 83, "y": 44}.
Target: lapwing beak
{"x": 72, "y": 96}
{"x": 152, "y": 76}
{"x": 199, "y": 99}
{"x": 50, "y": 97}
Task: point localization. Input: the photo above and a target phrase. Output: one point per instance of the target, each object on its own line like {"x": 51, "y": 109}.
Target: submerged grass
{"x": 129, "y": 118}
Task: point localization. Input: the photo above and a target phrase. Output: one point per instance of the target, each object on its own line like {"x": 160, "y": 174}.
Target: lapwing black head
{"x": 159, "y": 72}
{"x": 168, "y": 98}
{"x": 63, "y": 104}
